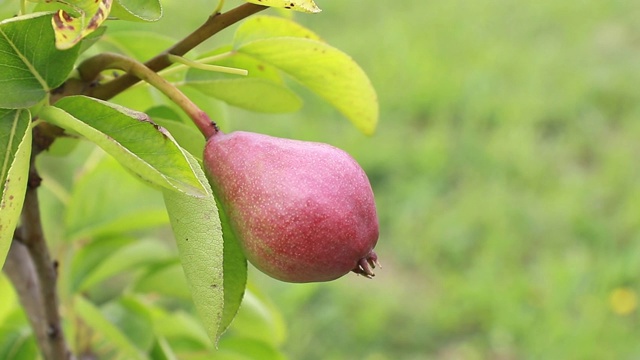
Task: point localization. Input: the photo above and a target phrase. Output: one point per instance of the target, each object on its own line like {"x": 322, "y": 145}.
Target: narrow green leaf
{"x": 162, "y": 350}
{"x": 108, "y": 200}
{"x": 251, "y": 348}
{"x": 198, "y": 233}
{"x": 133, "y": 318}
{"x": 90, "y": 256}
{"x": 137, "y": 10}
{"x": 182, "y": 326}
{"x": 15, "y": 152}
{"x": 258, "y": 320}
{"x": 164, "y": 279}
{"x": 307, "y": 6}
{"x": 30, "y": 64}
{"x": 126, "y": 259}
{"x": 326, "y": 71}
{"x": 95, "y": 319}
{"x": 131, "y": 138}
{"x": 235, "y": 273}
{"x": 265, "y": 27}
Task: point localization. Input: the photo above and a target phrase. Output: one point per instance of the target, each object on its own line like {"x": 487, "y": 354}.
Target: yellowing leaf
{"x": 86, "y": 17}
{"x": 307, "y": 6}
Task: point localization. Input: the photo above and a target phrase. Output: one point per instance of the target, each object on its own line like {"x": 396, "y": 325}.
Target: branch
{"x": 212, "y": 26}
{"x": 46, "y": 271}
{"x": 22, "y": 273}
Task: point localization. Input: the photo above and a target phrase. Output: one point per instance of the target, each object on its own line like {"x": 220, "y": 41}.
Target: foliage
{"x": 120, "y": 166}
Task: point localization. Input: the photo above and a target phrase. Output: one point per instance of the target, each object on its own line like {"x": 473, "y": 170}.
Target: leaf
{"x": 307, "y": 6}
{"x": 265, "y": 27}
{"x": 86, "y": 17}
{"x": 125, "y": 259}
{"x": 235, "y": 273}
{"x": 94, "y": 318}
{"x": 137, "y": 10}
{"x": 326, "y": 71}
{"x": 161, "y": 350}
{"x": 108, "y": 200}
{"x": 258, "y": 320}
{"x": 198, "y": 233}
{"x": 89, "y": 257}
{"x": 262, "y": 90}
{"x": 131, "y": 138}
{"x": 133, "y": 318}
{"x": 15, "y": 153}
{"x": 30, "y": 64}
{"x": 164, "y": 279}
{"x": 252, "y": 94}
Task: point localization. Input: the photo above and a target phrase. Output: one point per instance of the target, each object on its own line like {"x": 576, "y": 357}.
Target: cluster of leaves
{"x": 106, "y": 211}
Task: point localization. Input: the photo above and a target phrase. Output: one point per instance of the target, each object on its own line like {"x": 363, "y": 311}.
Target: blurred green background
{"x": 505, "y": 171}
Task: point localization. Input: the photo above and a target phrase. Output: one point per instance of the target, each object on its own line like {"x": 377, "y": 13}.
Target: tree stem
{"x": 35, "y": 276}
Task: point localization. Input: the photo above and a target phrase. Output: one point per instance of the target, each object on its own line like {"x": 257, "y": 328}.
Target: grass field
{"x": 506, "y": 173}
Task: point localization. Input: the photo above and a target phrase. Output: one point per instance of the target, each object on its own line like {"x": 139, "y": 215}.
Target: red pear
{"x": 302, "y": 211}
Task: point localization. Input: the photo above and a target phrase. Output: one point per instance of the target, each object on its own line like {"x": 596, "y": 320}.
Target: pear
{"x": 301, "y": 211}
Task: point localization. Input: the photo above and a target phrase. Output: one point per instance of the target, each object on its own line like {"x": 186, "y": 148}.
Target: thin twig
{"x": 131, "y": 66}
{"x": 214, "y": 24}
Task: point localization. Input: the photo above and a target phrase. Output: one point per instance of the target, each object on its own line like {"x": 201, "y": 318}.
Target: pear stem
{"x": 214, "y": 24}
{"x": 88, "y": 71}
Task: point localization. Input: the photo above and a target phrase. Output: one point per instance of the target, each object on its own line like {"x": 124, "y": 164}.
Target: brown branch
{"x": 22, "y": 273}
{"x": 212, "y": 26}
{"x": 33, "y": 239}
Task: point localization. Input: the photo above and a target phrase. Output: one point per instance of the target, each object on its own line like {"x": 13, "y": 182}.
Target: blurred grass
{"x": 505, "y": 169}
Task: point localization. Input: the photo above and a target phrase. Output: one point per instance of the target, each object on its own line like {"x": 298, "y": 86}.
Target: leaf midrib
{"x": 6, "y": 162}
{"x": 26, "y": 62}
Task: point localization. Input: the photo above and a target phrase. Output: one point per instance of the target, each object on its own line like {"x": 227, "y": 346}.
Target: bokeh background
{"x": 506, "y": 173}
{"x": 505, "y": 168}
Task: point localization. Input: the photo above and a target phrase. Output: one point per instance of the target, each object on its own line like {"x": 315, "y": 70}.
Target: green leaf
{"x": 262, "y": 90}
{"x": 265, "y": 27}
{"x": 15, "y": 152}
{"x": 133, "y": 318}
{"x": 90, "y": 256}
{"x": 131, "y": 138}
{"x": 161, "y": 350}
{"x": 198, "y": 233}
{"x": 326, "y": 71}
{"x": 181, "y": 326}
{"x": 258, "y": 320}
{"x": 250, "y": 348}
{"x": 95, "y": 319}
{"x": 307, "y": 6}
{"x": 235, "y": 273}
{"x": 30, "y": 64}
{"x": 108, "y": 200}
{"x": 164, "y": 279}
{"x": 126, "y": 259}
{"x": 186, "y": 135}
{"x": 137, "y": 10}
